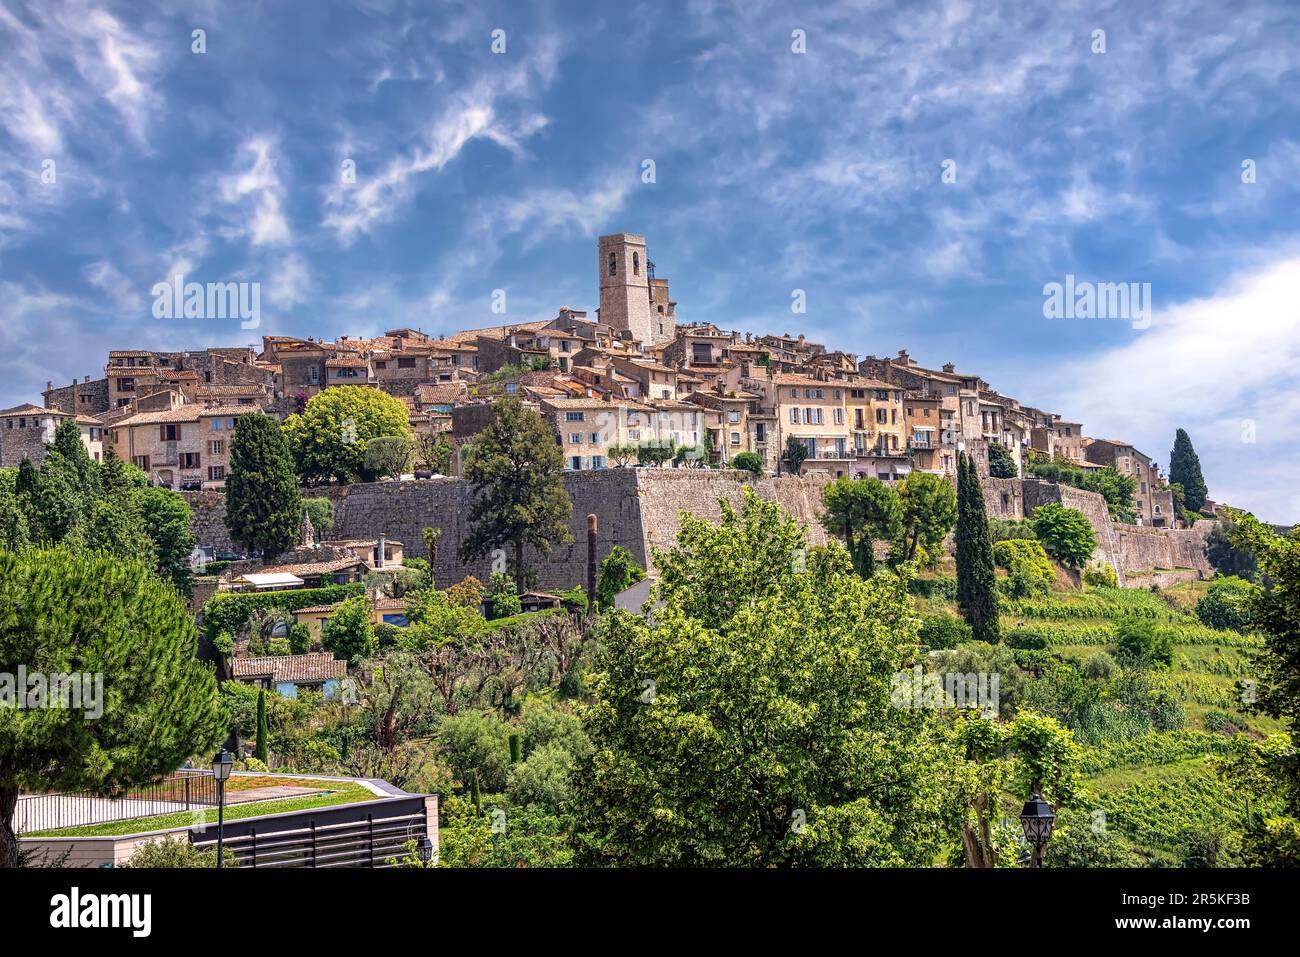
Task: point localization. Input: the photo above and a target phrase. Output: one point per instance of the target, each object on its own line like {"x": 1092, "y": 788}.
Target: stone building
{"x": 26, "y": 430}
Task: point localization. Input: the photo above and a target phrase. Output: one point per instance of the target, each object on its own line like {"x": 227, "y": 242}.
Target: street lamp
{"x": 1037, "y": 820}
{"x": 221, "y": 765}
{"x": 425, "y": 850}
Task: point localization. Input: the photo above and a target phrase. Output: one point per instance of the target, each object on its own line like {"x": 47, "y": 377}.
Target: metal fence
{"x": 179, "y": 791}
{"x": 369, "y": 840}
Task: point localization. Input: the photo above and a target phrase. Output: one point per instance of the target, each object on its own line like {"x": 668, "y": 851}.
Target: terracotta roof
{"x": 345, "y": 362}
{"x": 29, "y": 409}
{"x": 316, "y": 666}
{"x": 312, "y": 568}
{"x": 181, "y": 413}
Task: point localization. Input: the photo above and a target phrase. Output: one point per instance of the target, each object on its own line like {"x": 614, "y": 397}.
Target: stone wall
{"x": 640, "y": 509}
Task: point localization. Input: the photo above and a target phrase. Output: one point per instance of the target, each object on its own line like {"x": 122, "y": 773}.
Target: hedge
{"x": 934, "y": 587}
{"x": 229, "y": 611}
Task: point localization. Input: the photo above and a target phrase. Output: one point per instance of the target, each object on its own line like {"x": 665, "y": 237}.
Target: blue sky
{"x": 774, "y": 171}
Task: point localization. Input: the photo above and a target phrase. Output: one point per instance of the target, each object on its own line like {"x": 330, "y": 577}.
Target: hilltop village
{"x": 631, "y": 378}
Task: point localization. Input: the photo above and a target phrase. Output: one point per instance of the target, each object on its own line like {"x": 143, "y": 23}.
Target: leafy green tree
{"x": 349, "y": 631}
{"x": 1227, "y": 604}
{"x": 503, "y": 596}
{"x": 796, "y": 453}
{"x": 929, "y": 505}
{"x": 1119, "y": 491}
{"x": 115, "y": 526}
{"x": 329, "y": 440}
{"x": 1002, "y": 463}
{"x": 1066, "y": 533}
{"x": 300, "y": 640}
{"x": 260, "y": 750}
{"x": 1029, "y": 570}
{"x": 976, "y": 578}
{"x": 68, "y": 451}
{"x": 1185, "y": 469}
{"x": 447, "y": 634}
{"x": 618, "y": 571}
{"x": 1224, "y": 557}
{"x": 321, "y": 513}
{"x": 750, "y": 723}
{"x": 749, "y": 462}
{"x": 433, "y": 452}
{"x": 91, "y": 614}
{"x": 167, "y": 518}
{"x": 519, "y": 494}
{"x": 387, "y": 456}
{"x": 14, "y": 533}
{"x": 263, "y": 504}
{"x": 860, "y": 511}
{"x": 476, "y": 746}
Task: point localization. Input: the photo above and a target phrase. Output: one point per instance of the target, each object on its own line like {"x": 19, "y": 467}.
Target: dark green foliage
{"x": 796, "y": 453}
{"x": 260, "y": 751}
{"x": 976, "y": 578}
{"x": 178, "y": 852}
{"x": 1002, "y": 529}
{"x": 519, "y": 494}
{"x": 858, "y": 512}
{"x": 941, "y": 587}
{"x": 167, "y": 522}
{"x": 1185, "y": 469}
{"x": 1065, "y": 533}
{"x": 299, "y": 639}
{"x": 1001, "y": 462}
{"x": 502, "y": 597}
{"x": 1227, "y": 604}
{"x": 618, "y": 571}
{"x": 749, "y": 462}
{"x": 263, "y": 504}
{"x": 387, "y": 456}
{"x": 321, "y": 513}
{"x": 1227, "y": 559}
{"x": 63, "y": 612}
{"x": 514, "y": 749}
{"x": 1116, "y": 488}
{"x": 1029, "y": 571}
{"x": 929, "y": 511}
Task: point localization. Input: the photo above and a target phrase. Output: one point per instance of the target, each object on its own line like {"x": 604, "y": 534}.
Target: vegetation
{"x": 796, "y": 453}
{"x": 321, "y": 513}
{"x": 520, "y": 498}
{"x": 349, "y": 632}
{"x": 618, "y": 571}
{"x": 263, "y": 504}
{"x": 1185, "y": 471}
{"x": 1002, "y": 464}
{"x": 929, "y": 512}
{"x": 332, "y": 436}
{"x": 1066, "y": 533}
{"x": 92, "y": 613}
{"x": 1116, "y": 488}
{"x": 749, "y": 462}
{"x": 1029, "y": 570}
{"x": 1227, "y": 604}
{"x": 860, "y": 511}
{"x": 976, "y": 578}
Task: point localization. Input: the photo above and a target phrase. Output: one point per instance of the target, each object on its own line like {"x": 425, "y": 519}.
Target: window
{"x": 216, "y": 446}
{"x": 169, "y": 432}
{"x": 315, "y": 375}
{"x": 794, "y": 416}
{"x": 733, "y": 416}
{"x": 216, "y": 473}
{"x": 760, "y": 432}
{"x": 217, "y": 425}
{"x": 735, "y": 438}
{"x": 598, "y": 461}
{"x": 126, "y": 385}
{"x": 818, "y": 418}
{"x": 189, "y": 460}
{"x": 141, "y": 461}
{"x": 381, "y": 364}
{"x": 613, "y": 270}
{"x": 408, "y": 363}
{"x": 575, "y": 462}
{"x": 636, "y": 264}
{"x": 595, "y": 438}
{"x": 575, "y": 438}
{"x": 839, "y": 416}
{"x": 573, "y": 417}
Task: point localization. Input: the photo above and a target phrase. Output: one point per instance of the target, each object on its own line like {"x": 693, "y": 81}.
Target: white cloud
{"x": 257, "y": 191}
{"x": 1208, "y": 365}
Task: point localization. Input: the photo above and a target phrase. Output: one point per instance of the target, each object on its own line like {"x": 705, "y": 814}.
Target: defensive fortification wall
{"x": 640, "y": 508}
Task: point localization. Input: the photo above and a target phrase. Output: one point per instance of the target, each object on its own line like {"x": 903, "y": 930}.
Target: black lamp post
{"x": 221, "y": 765}
{"x": 1037, "y": 820}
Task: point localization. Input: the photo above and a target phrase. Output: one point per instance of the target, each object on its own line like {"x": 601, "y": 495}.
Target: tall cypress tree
{"x": 263, "y": 504}
{"x": 976, "y": 579}
{"x": 260, "y": 750}
{"x": 1185, "y": 470}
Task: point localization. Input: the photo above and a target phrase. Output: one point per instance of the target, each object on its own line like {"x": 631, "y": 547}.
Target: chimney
{"x": 48, "y": 385}
{"x": 379, "y": 557}
{"x": 85, "y": 379}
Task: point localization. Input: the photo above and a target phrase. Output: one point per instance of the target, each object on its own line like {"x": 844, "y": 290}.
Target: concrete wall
{"x": 639, "y": 509}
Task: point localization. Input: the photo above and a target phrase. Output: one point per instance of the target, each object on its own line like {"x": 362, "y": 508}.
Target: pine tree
{"x": 260, "y": 751}
{"x": 153, "y": 706}
{"x": 1185, "y": 470}
{"x": 976, "y": 578}
{"x": 263, "y": 504}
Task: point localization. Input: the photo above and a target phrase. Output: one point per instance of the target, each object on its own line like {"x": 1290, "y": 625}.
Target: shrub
{"x": 1101, "y": 575}
{"x": 749, "y": 462}
{"x": 502, "y": 598}
{"x": 172, "y": 852}
{"x": 1226, "y": 606}
{"x": 476, "y": 745}
{"x": 1099, "y": 667}
{"x": 1028, "y": 567}
{"x": 300, "y": 640}
{"x": 1141, "y": 643}
{"x": 934, "y": 587}
{"x": 1000, "y": 529}
{"x": 945, "y": 631}
{"x": 1025, "y": 640}
{"x": 349, "y": 632}
{"x": 1066, "y": 533}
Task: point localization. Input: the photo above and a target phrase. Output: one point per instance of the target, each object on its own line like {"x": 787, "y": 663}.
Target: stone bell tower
{"x": 625, "y": 285}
